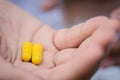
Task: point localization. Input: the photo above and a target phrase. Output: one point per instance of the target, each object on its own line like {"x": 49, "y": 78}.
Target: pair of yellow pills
{"x": 32, "y": 52}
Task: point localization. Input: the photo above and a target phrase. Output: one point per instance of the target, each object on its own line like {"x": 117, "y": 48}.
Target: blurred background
{"x": 66, "y": 13}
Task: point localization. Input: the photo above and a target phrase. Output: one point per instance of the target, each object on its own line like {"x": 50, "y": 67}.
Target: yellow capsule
{"x": 27, "y": 51}
{"x": 37, "y": 54}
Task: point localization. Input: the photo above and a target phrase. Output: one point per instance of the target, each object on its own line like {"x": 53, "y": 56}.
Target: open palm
{"x": 68, "y": 54}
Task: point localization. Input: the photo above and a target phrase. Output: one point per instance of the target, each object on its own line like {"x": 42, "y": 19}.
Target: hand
{"x": 69, "y": 54}
{"x": 113, "y": 57}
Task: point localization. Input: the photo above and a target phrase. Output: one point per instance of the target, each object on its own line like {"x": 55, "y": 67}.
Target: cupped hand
{"x": 68, "y": 54}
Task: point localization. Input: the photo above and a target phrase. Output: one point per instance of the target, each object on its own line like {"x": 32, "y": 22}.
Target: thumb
{"x": 10, "y": 72}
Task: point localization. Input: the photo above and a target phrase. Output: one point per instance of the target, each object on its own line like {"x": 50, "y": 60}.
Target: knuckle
{"x": 115, "y": 24}
{"x": 101, "y": 18}
{"x": 98, "y": 19}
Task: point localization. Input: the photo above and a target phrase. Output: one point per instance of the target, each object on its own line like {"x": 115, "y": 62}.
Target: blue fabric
{"x": 53, "y": 18}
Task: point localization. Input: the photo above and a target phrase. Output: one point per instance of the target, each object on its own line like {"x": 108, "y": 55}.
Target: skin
{"x": 114, "y": 57}
{"x": 115, "y": 14}
{"x": 114, "y": 54}
{"x": 68, "y": 54}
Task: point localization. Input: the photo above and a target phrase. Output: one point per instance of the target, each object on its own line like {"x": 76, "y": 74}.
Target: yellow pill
{"x": 37, "y": 54}
{"x": 27, "y": 51}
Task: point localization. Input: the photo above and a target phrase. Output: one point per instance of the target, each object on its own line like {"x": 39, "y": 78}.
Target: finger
{"x": 68, "y": 38}
{"x": 110, "y": 61}
{"x": 10, "y": 72}
{"x": 94, "y": 48}
{"x": 90, "y": 54}
{"x": 44, "y": 36}
{"x": 114, "y": 56}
